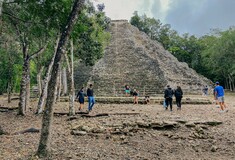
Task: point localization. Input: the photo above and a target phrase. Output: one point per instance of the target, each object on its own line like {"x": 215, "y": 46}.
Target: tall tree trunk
{"x": 10, "y": 78}
{"x": 23, "y": 87}
{"x": 9, "y": 90}
{"x": 233, "y": 84}
{"x": 64, "y": 81}
{"x": 39, "y": 80}
{"x": 1, "y": 1}
{"x": 226, "y": 82}
{"x": 230, "y": 82}
{"x": 71, "y": 81}
{"x": 59, "y": 86}
{"x": 44, "y": 144}
{"x": 27, "y": 102}
{"x": 43, "y": 94}
{"x": 25, "y": 81}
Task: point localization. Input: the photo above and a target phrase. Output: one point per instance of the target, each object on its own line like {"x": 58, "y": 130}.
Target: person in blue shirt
{"x": 219, "y": 93}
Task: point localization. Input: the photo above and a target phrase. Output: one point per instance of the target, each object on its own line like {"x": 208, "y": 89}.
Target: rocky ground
{"x": 126, "y": 132}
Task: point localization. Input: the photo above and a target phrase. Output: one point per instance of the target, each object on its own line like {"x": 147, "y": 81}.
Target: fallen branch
{"x": 85, "y": 114}
{"x": 9, "y": 108}
{"x": 30, "y": 130}
{"x": 96, "y": 115}
{"x": 67, "y": 114}
{"x": 72, "y": 118}
{"x": 124, "y": 113}
{"x": 60, "y": 114}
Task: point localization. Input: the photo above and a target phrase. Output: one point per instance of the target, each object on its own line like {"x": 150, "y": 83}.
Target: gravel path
{"x": 149, "y": 132}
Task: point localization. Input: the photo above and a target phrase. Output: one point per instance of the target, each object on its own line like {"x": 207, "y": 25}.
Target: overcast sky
{"x": 185, "y": 16}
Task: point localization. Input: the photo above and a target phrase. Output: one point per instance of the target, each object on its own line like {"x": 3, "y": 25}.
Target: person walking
{"x": 81, "y": 98}
{"x": 91, "y": 98}
{"x": 215, "y": 98}
{"x": 135, "y": 94}
{"x": 168, "y": 95}
{"x": 178, "y": 97}
{"x": 219, "y": 93}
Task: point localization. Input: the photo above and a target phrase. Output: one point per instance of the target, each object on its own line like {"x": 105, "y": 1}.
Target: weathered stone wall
{"x": 132, "y": 58}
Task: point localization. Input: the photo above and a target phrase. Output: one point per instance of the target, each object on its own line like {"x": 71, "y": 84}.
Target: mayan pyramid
{"x": 133, "y": 59}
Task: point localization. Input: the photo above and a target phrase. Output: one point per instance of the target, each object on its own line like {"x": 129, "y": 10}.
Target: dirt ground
{"x": 197, "y": 132}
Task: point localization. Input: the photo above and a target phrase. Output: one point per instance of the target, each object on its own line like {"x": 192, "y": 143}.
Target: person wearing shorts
{"x": 81, "y": 98}
{"x": 219, "y": 93}
{"x": 135, "y": 94}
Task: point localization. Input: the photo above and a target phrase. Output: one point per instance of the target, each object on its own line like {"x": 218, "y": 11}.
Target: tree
{"x": 70, "y": 64}
{"x": 29, "y": 31}
{"x": 44, "y": 144}
{"x": 1, "y": 1}
{"x": 43, "y": 94}
{"x": 218, "y": 57}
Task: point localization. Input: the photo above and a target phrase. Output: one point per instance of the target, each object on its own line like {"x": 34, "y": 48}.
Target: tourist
{"x": 205, "y": 91}
{"x": 91, "y": 98}
{"x": 219, "y": 93}
{"x": 215, "y": 98}
{"x": 127, "y": 90}
{"x": 80, "y": 97}
{"x": 135, "y": 94}
{"x": 168, "y": 95}
{"x": 178, "y": 97}
{"x": 146, "y": 99}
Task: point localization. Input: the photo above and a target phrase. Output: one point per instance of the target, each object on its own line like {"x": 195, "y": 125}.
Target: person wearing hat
{"x": 219, "y": 93}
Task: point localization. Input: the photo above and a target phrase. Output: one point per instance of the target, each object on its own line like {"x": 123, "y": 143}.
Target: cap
{"x": 217, "y": 82}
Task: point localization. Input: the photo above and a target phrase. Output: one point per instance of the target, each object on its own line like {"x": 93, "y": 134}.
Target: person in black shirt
{"x": 168, "y": 95}
{"x": 178, "y": 97}
{"x": 135, "y": 94}
{"x": 81, "y": 98}
{"x": 91, "y": 98}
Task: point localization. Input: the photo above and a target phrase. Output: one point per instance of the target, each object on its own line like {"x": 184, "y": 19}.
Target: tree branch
{"x": 40, "y": 51}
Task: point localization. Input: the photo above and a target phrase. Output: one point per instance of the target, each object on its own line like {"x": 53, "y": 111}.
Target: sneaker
{"x": 222, "y": 111}
{"x": 166, "y": 108}
{"x": 217, "y": 106}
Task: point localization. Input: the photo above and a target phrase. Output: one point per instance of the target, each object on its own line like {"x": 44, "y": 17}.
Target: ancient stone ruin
{"x": 133, "y": 59}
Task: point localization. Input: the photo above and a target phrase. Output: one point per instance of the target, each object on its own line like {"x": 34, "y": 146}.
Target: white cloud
{"x": 165, "y": 6}
{"x": 120, "y": 9}
{"x": 193, "y": 16}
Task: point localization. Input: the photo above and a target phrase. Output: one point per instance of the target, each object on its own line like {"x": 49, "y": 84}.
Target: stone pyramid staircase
{"x": 133, "y": 59}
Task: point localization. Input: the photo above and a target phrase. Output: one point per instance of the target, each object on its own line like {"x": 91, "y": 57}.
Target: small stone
{"x": 78, "y": 133}
{"x": 123, "y": 137}
{"x": 214, "y": 148}
{"x": 190, "y": 124}
{"x": 213, "y": 123}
